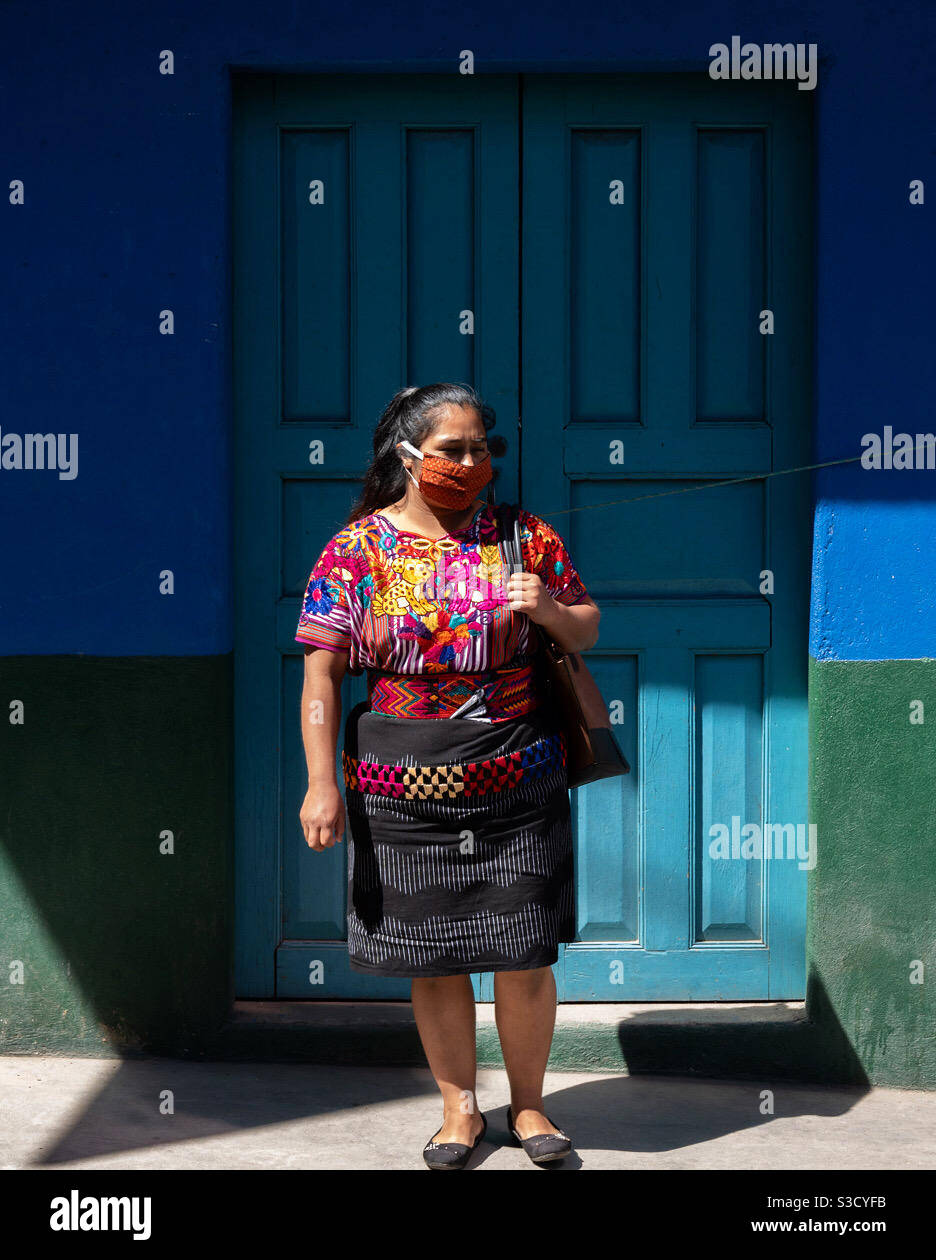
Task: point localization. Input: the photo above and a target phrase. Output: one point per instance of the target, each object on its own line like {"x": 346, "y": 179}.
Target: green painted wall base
{"x": 872, "y": 896}
{"x": 761, "y": 1041}
{"x": 119, "y": 946}
{"x": 123, "y": 950}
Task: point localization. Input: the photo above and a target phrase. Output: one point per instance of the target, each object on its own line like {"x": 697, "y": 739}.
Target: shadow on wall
{"x": 765, "y": 1046}
{"x": 122, "y": 944}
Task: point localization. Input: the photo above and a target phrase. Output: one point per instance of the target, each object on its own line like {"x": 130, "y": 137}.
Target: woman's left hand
{"x": 526, "y": 593}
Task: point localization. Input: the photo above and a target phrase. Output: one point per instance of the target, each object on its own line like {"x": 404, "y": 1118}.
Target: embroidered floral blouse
{"x": 405, "y": 604}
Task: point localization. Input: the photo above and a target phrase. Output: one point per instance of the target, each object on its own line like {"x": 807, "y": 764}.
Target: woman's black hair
{"x": 410, "y": 415}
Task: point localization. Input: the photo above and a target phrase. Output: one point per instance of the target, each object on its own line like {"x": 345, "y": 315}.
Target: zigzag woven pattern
{"x": 450, "y": 780}
{"x": 507, "y": 693}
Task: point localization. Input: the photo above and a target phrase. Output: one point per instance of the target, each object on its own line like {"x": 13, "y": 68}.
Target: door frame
{"x": 257, "y": 914}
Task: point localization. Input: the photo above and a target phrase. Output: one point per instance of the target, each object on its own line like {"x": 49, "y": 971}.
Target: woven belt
{"x": 449, "y": 780}
{"x": 507, "y": 693}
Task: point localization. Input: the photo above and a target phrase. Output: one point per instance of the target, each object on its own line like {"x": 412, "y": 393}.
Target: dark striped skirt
{"x": 460, "y": 844}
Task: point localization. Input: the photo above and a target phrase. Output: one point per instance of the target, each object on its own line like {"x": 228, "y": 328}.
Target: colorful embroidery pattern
{"x": 407, "y": 605}
{"x": 442, "y": 636}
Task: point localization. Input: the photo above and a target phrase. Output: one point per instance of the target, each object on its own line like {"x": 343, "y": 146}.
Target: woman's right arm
{"x": 323, "y": 813}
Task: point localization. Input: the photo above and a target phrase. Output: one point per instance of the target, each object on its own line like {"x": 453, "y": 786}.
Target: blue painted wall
{"x": 127, "y": 213}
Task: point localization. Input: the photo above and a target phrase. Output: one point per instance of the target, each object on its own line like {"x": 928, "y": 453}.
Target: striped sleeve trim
{"x": 573, "y": 593}
{"x": 324, "y": 637}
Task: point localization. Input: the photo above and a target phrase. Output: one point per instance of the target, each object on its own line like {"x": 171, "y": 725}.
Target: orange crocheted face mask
{"x": 448, "y": 483}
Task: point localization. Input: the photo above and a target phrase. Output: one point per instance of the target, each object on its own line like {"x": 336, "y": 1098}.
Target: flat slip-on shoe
{"x": 452, "y": 1154}
{"x": 542, "y": 1148}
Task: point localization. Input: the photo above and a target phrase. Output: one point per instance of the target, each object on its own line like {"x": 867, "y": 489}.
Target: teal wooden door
{"x": 661, "y": 217}
{"x": 594, "y": 253}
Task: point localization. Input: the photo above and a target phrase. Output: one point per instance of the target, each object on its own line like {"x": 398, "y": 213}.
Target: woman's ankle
{"x": 527, "y": 1104}
{"x": 462, "y": 1104}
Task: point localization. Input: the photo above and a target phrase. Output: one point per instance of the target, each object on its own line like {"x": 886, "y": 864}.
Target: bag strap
{"x": 509, "y": 534}
{"x": 511, "y": 547}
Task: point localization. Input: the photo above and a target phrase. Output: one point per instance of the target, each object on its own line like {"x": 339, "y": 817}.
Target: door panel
{"x": 661, "y": 216}
{"x": 374, "y": 219}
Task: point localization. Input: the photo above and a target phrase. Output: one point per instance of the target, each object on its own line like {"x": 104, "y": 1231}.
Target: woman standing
{"x": 460, "y": 846}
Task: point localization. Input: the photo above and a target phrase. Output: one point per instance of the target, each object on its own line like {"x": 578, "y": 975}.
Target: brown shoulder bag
{"x": 593, "y": 750}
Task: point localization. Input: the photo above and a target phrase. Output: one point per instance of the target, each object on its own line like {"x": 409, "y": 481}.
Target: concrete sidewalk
{"x": 105, "y": 1114}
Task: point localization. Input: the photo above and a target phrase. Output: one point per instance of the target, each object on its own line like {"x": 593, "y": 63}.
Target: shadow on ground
{"x": 637, "y": 1114}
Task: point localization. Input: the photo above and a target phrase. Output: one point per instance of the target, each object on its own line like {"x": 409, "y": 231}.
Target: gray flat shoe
{"x": 441, "y": 1155}
{"x": 542, "y": 1148}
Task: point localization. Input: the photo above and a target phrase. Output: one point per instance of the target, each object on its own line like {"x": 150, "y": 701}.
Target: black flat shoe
{"x": 542, "y": 1148}
{"x": 452, "y": 1154}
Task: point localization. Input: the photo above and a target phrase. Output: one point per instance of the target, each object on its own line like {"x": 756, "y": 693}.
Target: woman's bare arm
{"x": 573, "y": 626}
{"x": 322, "y": 813}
